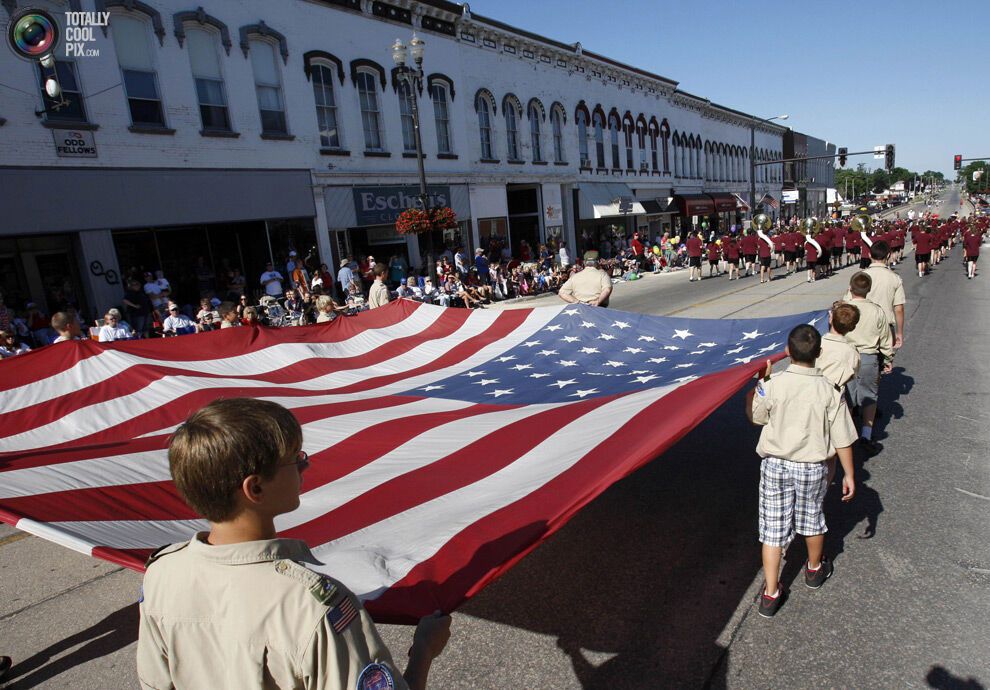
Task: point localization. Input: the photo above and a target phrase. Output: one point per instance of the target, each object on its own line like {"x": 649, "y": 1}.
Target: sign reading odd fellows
{"x": 382, "y": 205}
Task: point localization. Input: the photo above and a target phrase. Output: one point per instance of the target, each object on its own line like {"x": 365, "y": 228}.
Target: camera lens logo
{"x": 32, "y": 34}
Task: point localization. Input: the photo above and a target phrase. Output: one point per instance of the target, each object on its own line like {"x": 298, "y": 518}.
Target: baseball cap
{"x": 591, "y": 256}
{"x": 292, "y": 253}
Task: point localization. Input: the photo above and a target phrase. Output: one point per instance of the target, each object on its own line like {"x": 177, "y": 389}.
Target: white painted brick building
{"x": 185, "y": 168}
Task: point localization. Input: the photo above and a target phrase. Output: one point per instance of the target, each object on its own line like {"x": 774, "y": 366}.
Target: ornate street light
{"x": 412, "y": 76}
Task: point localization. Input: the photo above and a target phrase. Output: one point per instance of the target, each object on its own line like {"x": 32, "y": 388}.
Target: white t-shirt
{"x": 174, "y": 323}
{"x": 273, "y": 289}
{"x": 109, "y": 333}
{"x": 154, "y": 293}
{"x": 565, "y": 259}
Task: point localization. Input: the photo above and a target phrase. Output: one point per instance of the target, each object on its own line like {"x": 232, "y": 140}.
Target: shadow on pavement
{"x": 939, "y": 677}
{"x": 114, "y": 632}
{"x": 893, "y": 386}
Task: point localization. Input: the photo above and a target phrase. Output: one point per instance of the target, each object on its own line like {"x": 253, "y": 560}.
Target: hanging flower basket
{"x": 418, "y": 220}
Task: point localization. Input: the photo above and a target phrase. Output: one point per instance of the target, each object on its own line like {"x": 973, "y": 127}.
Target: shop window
{"x": 130, "y": 38}
{"x": 441, "y": 116}
{"x": 210, "y": 91}
{"x": 268, "y": 87}
{"x": 69, "y": 106}
{"x": 371, "y": 116}
{"x": 406, "y": 117}
{"x": 493, "y": 233}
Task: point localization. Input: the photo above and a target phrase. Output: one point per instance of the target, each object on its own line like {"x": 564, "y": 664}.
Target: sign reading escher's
{"x": 382, "y": 205}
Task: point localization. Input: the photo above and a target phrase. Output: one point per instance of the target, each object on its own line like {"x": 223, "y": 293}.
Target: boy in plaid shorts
{"x": 805, "y": 421}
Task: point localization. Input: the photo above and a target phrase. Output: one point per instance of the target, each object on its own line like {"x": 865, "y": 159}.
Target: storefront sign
{"x": 791, "y": 196}
{"x": 71, "y": 143}
{"x": 553, "y": 214}
{"x": 382, "y": 205}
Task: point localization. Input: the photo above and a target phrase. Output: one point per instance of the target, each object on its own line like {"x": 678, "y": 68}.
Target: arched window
{"x": 130, "y": 38}
{"x": 268, "y": 87}
{"x": 641, "y": 128}
{"x": 441, "y": 115}
{"x": 665, "y": 136}
{"x": 511, "y": 130}
{"x": 534, "y": 132}
{"x": 406, "y": 116}
{"x": 210, "y": 90}
{"x": 326, "y": 103}
{"x": 627, "y": 130}
{"x": 599, "y": 124}
{"x": 486, "y": 110}
{"x": 582, "y": 127}
{"x": 708, "y": 161}
{"x": 677, "y": 154}
{"x": 654, "y": 130}
{"x": 371, "y": 115}
{"x": 613, "y": 126}
{"x": 696, "y": 157}
{"x": 557, "y": 125}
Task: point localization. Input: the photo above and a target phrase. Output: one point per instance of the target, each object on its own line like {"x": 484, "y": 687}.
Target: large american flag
{"x": 445, "y": 443}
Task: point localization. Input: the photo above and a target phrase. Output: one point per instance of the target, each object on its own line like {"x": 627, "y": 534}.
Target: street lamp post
{"x": 752, "y": 159}
{"x": 412, "y": 77}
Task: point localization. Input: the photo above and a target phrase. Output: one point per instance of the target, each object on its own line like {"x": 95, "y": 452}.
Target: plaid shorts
{"x": 791, "y": 497}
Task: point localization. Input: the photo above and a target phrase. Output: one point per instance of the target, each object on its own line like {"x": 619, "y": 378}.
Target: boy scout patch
{"x": 325, "y": 591}
{"x": 341, "y": 615}
{"x": 375, "y": 676}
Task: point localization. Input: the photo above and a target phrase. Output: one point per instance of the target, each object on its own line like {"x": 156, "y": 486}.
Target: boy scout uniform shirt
{"x": 244, "y": 616}
{"x": 872, "y": 332}
{"x": 887, "y": 290}
{"x": 586, "y": 285}
{"x": 839, "y": 361}
{"x": 803, "y": 415}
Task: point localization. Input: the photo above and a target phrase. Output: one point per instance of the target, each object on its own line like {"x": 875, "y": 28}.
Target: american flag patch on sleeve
{"x": 341, "y": 615}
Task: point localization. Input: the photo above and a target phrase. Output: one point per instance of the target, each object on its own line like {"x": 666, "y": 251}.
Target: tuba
{"x": 762, "y": 222}
{"x": 810, "y": 225}
{"x": 861, "y": 223}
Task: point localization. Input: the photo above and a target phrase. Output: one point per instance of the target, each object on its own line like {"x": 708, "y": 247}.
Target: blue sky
{"x": 912, "y": 73}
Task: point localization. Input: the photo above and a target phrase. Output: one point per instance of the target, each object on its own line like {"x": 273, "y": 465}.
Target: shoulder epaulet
{"x": 164, "y": 551}
{"x": 324, "y": 589}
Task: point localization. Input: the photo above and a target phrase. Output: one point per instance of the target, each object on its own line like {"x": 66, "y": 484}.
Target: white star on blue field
{"x": 587, "y": 351}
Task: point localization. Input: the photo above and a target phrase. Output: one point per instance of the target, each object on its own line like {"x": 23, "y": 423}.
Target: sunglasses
{"x": 301, "y": 461}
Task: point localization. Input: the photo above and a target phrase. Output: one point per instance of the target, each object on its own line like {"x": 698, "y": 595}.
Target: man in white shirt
{"x": 460, "y": 263}
{"x": 177, "y": 323}
{"x": 565, "y": 258}
{"x": 271, "y": 280}
{"x": 111, "y": 330}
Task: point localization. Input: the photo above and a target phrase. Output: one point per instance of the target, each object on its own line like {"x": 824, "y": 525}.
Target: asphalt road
{"x": 651, "y": 585}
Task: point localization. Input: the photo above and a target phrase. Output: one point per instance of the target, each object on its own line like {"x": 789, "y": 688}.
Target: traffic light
{"x": 842, "y": 156}
{"x": 889, "y": 157}
{"x": 957, "y": 162}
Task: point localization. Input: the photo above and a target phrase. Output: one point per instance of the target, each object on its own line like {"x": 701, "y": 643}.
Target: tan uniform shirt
{"x": 887, "y": 290}
{"x": 803, "y": 415}
{"x": 378, "y": 294}
{"x": 244, "y": 616}
{"x": 586, "y": 285}
{"x": 872, "y": 333}
{"x": 839, "y": 361}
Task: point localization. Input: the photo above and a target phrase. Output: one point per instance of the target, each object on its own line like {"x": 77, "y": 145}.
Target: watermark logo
{"x": 80, "y": 32}
{"x": 33, "y": 34}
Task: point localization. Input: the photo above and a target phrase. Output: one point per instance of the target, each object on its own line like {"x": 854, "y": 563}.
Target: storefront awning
{"x": 659, "y": 206}
{"x": 724, "y": 203}
{"x": 741, "y": 203}
{"x": 695, "y": 204}
{"x": 604, "y": 200}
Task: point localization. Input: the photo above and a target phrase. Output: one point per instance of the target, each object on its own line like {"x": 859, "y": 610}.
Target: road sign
{"x": 879, "y": 152}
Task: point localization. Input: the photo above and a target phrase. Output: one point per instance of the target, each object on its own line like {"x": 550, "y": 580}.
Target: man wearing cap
{"x": 345, "y": 276}
{"x": 590, "y": 285}
{"x": 290, "y": 265}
